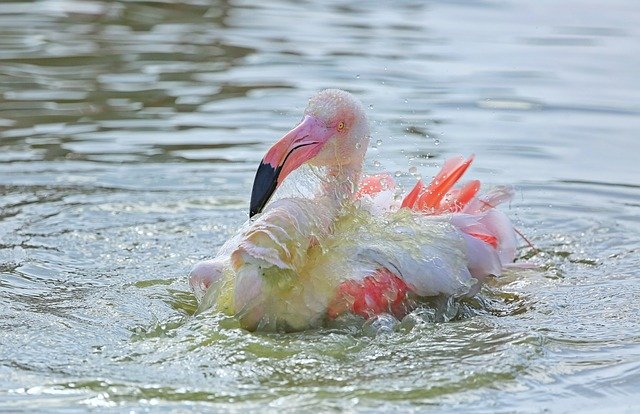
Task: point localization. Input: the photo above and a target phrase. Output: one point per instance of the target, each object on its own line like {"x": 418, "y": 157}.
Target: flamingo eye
{"x": 341, "y": 126}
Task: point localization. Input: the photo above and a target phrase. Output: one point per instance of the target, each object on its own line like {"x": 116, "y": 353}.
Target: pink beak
{"x": 292, "y": 150}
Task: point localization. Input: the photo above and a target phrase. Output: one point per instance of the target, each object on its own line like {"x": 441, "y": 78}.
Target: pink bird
{"x": 351, "y": 247}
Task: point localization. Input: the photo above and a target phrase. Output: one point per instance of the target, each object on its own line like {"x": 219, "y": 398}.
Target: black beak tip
{"x": 263, "y": 187}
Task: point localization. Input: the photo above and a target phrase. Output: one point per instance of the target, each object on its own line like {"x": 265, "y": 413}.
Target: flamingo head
{"x": 334, "y": 133}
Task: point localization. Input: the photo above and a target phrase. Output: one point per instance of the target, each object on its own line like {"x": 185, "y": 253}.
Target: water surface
{"x": 129, "y": 135}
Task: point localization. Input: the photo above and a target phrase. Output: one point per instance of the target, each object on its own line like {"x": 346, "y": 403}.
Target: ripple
{"x": 129, "y": 136}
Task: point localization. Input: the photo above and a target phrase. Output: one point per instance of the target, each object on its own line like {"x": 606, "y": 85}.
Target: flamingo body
{"x": 351, "y": 247}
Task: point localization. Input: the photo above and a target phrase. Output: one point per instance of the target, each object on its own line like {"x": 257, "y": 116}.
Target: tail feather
{"x": 440, "y": 196}
{"x": 491, "y": 199}
{"x": 457, "y": 199}
{"x": 473, "y": 214}
{"x": 450, "y": 173}
{"x": 411, "y": 198}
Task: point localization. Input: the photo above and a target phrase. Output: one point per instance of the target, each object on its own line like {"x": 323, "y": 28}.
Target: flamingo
{"x": 351, "y": 248}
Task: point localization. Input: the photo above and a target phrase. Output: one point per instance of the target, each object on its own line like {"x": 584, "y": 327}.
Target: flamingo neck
{"x": 341, "y": 184}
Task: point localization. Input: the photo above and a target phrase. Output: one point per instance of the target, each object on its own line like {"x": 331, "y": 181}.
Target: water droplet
{"x": 379, "y": 142}
{"x": 398, "y": 173}
{"x": 376, "y": 163}
{"x": 379, "y": 325}
{"x": 436, "y": 142}
{"x": 358, "y": 145}
{"x": 370, "y": 106}
{"x": 413, "y": 170}
{"x": 357, "y": 76}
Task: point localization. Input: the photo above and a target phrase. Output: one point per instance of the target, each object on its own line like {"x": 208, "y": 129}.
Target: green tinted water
{"x": 129, "y": 136}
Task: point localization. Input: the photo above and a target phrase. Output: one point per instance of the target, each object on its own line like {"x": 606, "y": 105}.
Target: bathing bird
{"x": 354, "y": 246}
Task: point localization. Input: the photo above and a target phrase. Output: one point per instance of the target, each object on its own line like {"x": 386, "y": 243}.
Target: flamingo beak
{"x": 292, "y": 150}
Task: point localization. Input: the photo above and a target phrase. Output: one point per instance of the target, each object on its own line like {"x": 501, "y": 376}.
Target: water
{"x": 129, "y": 135}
